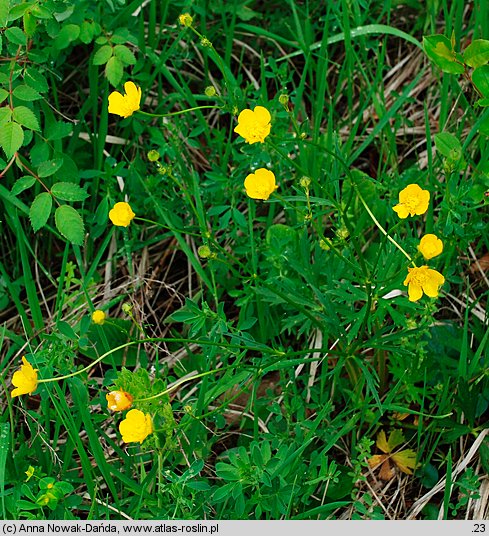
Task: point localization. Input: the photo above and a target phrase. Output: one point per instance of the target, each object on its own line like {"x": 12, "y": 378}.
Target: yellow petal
{"x": 401, "y": 210}
{"x": 414, "y": 292}
{"x": 116, "y": 103}
{"x": 262, "y": 115}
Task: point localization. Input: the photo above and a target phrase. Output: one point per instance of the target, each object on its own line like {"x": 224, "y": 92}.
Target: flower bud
{"x": 185, "y": 19}
{"x": 284, "y": 100}
{"x": 210, "y": 91}
{"x": 205, "y": 42}
{"x": 305, "y": 182}
{"x": 127, "y": 308}
{"x": 204, "y": 252}
{"x": 153, "y": 156}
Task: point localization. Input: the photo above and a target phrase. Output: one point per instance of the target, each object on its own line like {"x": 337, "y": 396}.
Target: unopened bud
{"x": 305, "y": 182}
{"x": 204, "y": 252}
{"x": 205, "y": 42}
{"x": 153, "y": 156}
{"x": 284, "y": 100}
{"x": 127, "y": 308}
{"x": 210, "y": 91}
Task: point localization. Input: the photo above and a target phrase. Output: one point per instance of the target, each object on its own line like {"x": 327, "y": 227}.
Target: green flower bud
{"x": 153, "y": 155}
{"x": 204, "y": 252}
{"x": 210, "y": 91}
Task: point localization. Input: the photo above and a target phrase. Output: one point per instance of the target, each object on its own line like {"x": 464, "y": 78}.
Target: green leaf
{"x": 16, "y": 36}
{"x": 102, "y": 56}
{"x": 58, "y": 130}
{"x": 25, "y": 116}
{"x": 439, "y": 49}
{"x": 5, "y": 114}
{"x": 480, "y": 78}
{"x": 4, "y": 11}
{"x": 23, "y": 184}
{"x": 124, "y": 54}
{"x": 36, "y": 80}
{"x": 11, "y": 138}
{"x": 114, "y": 71}
{"x": 49, "y": 167}
{"x": 41, "y": 12}
{"x": 70, "y": 224}
{"x": 3, "y": 94}
{"x": 87, "y": 32}
{"x": 448, "y": 145}
{"x": 40, "y": 210}
{"x": 477, "y": 53}
{"x": 30, "y": 24}
{"x": 16, "y": 12}
{"x": 68, "y": 191}
{"x": 26, "y": 93}
{"x": 67, "y": 34}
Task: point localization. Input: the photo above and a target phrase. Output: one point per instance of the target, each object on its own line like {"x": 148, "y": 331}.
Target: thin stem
{"x": 382, "y": 230}
{"x": 179, "y": 112}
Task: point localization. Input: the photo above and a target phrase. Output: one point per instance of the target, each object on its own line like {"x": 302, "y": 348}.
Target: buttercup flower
{"x": 261, "y": 184}
{"x": 125, "y": 105}
{"x": 430, "y": 246}
{"x": 412, "y": 201}
{"x": 25, "y": 379}
{"x": 118, "y": 400}
{"x": 254, "y": 125}
{"x": 122, "y": 214}
{"x": 423, "y": 279}
{"x": 98, "y": 317}
{"x": 136, "y": 427}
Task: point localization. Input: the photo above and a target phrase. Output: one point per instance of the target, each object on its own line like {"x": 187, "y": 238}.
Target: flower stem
{"x": 179, "y": 112}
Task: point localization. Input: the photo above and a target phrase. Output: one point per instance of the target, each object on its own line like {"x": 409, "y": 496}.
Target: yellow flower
{"x": 430, "y": 246}
{"x": 118, "y": 400}
{"x": 125, "y": 105}
{"x": 254, "y": 125}
{"x": 98, "y": 317}
{"x": 261, "y": 184}
{"x": 423, "y": 279}
{"x": 24, "y": 379}
{"x": 122, "y": 214}
{"x": 185, "y": 19}
{"x": 412, "y": 201}
{"x": 136, "y": 427}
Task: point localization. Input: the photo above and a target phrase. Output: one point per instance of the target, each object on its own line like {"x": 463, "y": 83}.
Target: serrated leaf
{"x": 87, "y": 31}
{"x": 5, "y": 114}
{"x": 23, "y": 184}
{"x": 448, "y": 145}
{"x": 25, "y": 117}
{"x": 480, "y": 78}
{"x": 40, "y": 210}
{"x": 11, "y": 138}
{"x": 114, "y": 71}
{"x": 16, "y": 36}
{"x": 102, "y": 56}
{"x": 68, "y": 191}
{"x": 70, "y": 224}
{"x": 124, "y": 54}
{"x": 477, "y": 53}
{"x": 49, "y": 167}
{"x": 26, "y": 93}
{"x": 36, "y": 80}
{"x": 439, "y": 49}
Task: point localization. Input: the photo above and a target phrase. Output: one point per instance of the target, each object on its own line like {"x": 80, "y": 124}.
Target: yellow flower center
{"x": 419, "y": 276}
